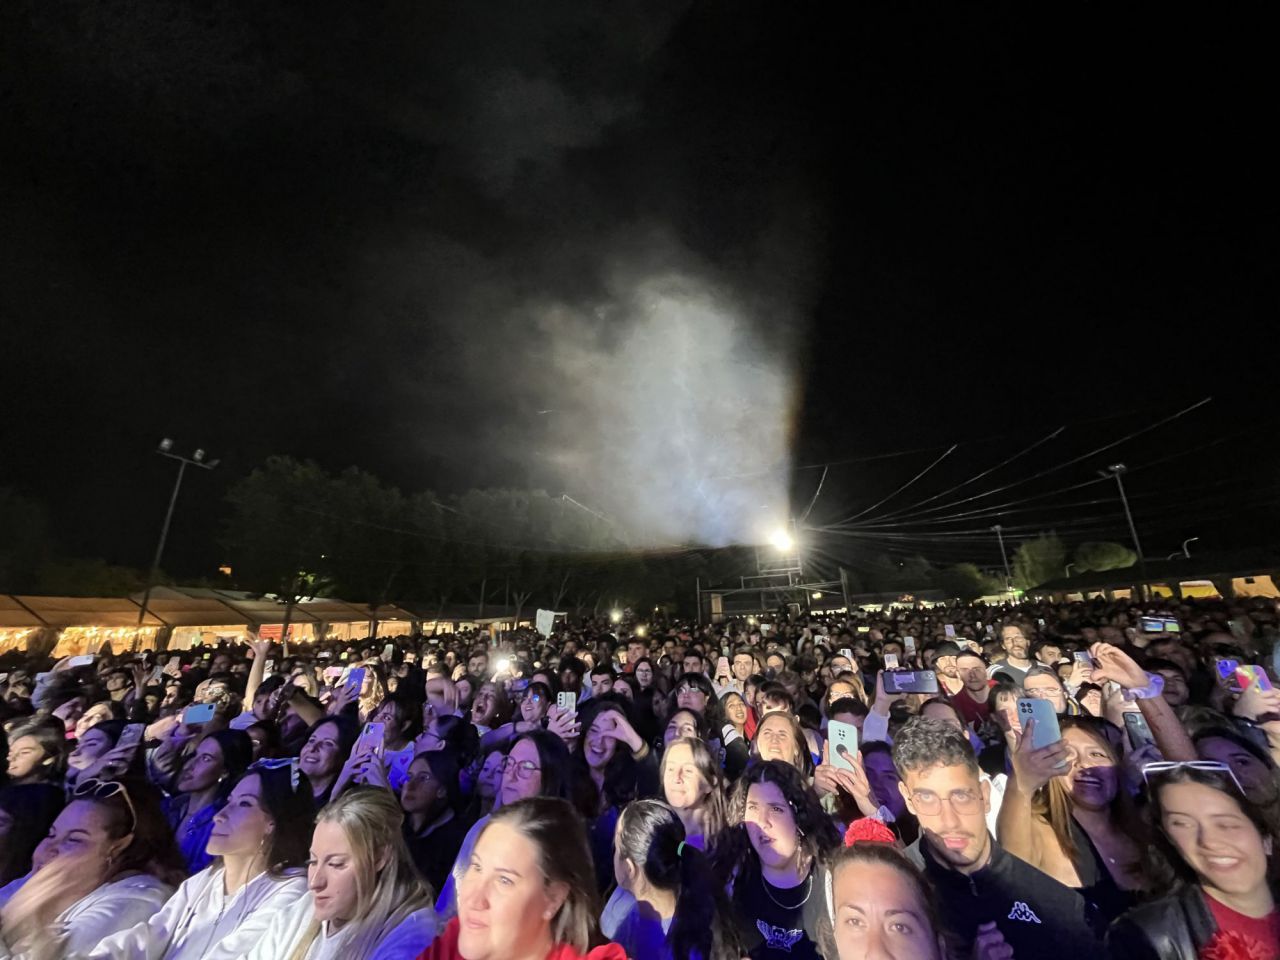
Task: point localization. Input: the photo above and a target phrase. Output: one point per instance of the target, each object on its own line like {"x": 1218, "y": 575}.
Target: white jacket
{"x": 200, "y": 922}
{"x": 110, "y": 908}
{"x": 402, "y": 942}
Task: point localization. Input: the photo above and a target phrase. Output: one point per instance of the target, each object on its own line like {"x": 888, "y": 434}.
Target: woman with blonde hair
{"x": 367, "y": 901}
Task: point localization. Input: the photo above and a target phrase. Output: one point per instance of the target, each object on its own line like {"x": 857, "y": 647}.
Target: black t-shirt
{"x": 775, "y": 922}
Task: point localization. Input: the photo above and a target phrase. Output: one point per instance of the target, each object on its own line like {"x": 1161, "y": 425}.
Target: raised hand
{"x": 1034, "y": 768}
{"x": 990, "y": 944}
{"x": 1114, "y": 664}
{"x": 1254, "y": 703}
{"x": 563, "y": 723}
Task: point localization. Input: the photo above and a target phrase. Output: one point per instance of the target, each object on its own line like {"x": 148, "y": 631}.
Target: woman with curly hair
{"x": 772, "y": 858}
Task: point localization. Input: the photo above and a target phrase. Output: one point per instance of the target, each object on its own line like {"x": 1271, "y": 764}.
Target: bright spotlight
{"x": 504, "y": 665}
{"x": 817, "y": 595}
{"x": 782, "y": 540}
{"x": 641, "y": 630}
{"x": 616, "y": 616}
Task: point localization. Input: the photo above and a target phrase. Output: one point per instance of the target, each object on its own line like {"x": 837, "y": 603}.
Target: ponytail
{"x": 651, "y": 835}
{"x": 693, "y": 926}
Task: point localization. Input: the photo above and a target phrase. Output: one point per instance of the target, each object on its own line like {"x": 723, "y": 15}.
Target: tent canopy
{"x": 15, "y": 615}
{"x": 87, "y": 611}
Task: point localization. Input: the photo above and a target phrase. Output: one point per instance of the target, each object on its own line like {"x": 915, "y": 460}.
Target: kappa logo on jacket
{"x": 780, "y": 938}
{"x": 1022, "y": 912}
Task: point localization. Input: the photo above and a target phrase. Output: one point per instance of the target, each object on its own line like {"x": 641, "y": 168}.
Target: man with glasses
{"x": 984, "y": 893}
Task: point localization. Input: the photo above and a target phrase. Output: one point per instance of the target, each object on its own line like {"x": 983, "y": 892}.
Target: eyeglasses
{"x": 1043, "y": 693}
{"x": 1162, "y": 767}
{"x": 280, "y": 764}
{"x": 105, "y": 790}
{"x": 961, "y": 801}
{"x": 689, "y": 688}
{"x": 420, "y": 779}
{"x": 524, "y": 769}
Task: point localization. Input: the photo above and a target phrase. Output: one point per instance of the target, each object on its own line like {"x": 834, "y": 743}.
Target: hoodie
{"x": 445, "y": 947}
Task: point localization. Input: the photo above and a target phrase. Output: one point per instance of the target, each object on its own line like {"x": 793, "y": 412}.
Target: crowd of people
{"x": 1030, "y": 780}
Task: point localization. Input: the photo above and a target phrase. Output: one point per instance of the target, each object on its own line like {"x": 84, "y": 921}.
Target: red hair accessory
{"x": 868, "y": 830}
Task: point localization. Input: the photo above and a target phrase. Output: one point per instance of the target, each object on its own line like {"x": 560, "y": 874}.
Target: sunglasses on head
{"x": 104, "y": 790}
{"x": 1164, "y": 767}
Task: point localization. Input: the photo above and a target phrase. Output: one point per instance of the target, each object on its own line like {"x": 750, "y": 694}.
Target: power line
{"x": 949, "y": 451}
{"x": 1062, "y": 466}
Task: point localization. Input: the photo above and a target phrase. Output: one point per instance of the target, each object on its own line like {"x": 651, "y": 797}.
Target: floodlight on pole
{"x": 782, "y": 540}
{"x": 165, "y": 449}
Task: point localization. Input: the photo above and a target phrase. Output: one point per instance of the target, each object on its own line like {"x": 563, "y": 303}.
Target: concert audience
{"x": 1137, "y": 814}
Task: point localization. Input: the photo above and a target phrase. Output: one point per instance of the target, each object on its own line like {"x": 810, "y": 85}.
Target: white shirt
{"x": 401, "y": 942}
{"x": 200, "y": 922}
{"x": 110, "y": 908}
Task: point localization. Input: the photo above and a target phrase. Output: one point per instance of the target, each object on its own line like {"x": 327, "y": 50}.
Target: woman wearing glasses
{"x": 771, "y": 857}
{"x": 1066, "y": 812}
{"x": 433, "y": 827}
{"x": 260, "y": 841}
{"x": 1217, "y": 849}
{"x": 539, "y": 765}
{"x": 367, "y": 901}
{"x": 108, "y": 863}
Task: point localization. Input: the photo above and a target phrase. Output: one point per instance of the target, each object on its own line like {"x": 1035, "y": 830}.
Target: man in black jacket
{"x": 976, "y": 881}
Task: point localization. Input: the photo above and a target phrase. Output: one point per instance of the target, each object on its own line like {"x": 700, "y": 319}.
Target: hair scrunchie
{"x": 680, "y": 849}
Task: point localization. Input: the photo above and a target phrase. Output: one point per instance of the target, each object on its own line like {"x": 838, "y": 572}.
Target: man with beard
{"x": 1016, "y": 661}
{"x": 944, "y": 665}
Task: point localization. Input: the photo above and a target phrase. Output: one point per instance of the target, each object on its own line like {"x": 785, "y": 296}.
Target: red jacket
{"x": 445, "y": 947}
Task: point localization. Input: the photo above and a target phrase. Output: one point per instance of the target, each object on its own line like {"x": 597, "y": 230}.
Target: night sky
{"x": 339, "y": 232}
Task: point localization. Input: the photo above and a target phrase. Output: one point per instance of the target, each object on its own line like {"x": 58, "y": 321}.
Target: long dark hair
{"x": 32, "y": 808}
{"x": 818, "y": 836}
{"x": 293, "y": 812}
{"x": 651, "y": 836}
{"x": 1164, "y": 861}
{"x": 237, "y": 754}
{"x": 152, "y": 848}
{"x": 558, "y": 774}
{"x": 621, "y": 772}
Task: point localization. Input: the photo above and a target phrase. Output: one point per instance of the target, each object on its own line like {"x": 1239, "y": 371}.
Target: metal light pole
{"x": 1116, "y": 470}
{"x": 1186, "y": 546}
{"x": 1008, "y": 577}
{"x": 196, "y": 460}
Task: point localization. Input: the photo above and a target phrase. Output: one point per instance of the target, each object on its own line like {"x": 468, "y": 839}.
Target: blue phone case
{"x": 198, "y": 713}
{"x": 1046, "y": 729}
